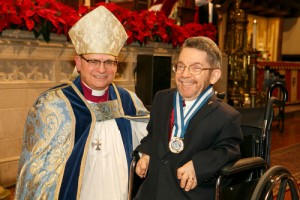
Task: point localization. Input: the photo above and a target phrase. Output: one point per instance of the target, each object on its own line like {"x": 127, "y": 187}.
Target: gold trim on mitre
{"x": 99, "y": 31}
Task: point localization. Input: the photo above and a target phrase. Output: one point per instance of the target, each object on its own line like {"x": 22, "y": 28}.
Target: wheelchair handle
{"x": 135, "y": 158}
{"x": 281, "y": 87}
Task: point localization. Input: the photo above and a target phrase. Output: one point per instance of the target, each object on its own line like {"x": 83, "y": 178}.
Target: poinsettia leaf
{"x": 26, "y": 4}
{"x": 29, "y": 24}
{"x": 82, "y": 10}
{"x": 29, "y": 13}
{"x": 15, "y": 19}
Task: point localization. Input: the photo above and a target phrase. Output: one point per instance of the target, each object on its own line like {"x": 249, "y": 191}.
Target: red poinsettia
{"x": 49, "y": 16}
{"x": 8, "y": 14}
{"x": 208, "y": 30}
{"x": 40, "y": 16}
{"x": 146, "y": 26}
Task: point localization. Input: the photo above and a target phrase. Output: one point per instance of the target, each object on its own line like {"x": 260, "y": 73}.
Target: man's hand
{"x": 187, "y": 176}
{"x": 142, "y": 166}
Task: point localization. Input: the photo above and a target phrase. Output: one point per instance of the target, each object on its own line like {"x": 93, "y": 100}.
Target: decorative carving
{"x": 66, "y": 69}
{"x": 40, "y": 62}
{"x": 25, "y": 70}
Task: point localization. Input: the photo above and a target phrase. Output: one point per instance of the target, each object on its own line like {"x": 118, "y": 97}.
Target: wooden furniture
{"x": 291, "y": 72}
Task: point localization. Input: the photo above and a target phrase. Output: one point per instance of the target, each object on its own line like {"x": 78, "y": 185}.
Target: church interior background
{"x": 259, "y": 40}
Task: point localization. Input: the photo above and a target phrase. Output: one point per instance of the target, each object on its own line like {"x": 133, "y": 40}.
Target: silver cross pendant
{"x": 97, "y": 143}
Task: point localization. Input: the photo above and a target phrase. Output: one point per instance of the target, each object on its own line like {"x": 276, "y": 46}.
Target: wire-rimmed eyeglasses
{"x": 194, "y": 69}
{"x": 108, "y": 64}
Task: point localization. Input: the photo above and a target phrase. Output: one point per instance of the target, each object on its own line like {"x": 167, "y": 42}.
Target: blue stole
{"x": 69, "y": 185}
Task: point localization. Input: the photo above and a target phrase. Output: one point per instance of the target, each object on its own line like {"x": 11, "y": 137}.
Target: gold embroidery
{"x": 106, "y": 110}
{"x": 48, "y": 140}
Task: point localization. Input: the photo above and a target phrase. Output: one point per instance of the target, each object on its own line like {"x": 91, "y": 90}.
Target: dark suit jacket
{"x": 211, "y": 140}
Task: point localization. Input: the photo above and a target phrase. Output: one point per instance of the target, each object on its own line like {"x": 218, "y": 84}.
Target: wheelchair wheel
{"x": 277, "y": 176}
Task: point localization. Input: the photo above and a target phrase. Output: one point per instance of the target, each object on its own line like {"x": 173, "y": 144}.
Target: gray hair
{"x": 214, "y": 55}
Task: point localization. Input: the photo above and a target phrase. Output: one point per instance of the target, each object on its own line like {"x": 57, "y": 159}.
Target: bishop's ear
{"x": 215, "y": 75}
{"x": 78, "y": 63}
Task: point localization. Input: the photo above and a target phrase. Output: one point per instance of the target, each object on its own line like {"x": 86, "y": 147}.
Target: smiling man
{"x": 78, "y": 137}
{"x": 192, "y": 134}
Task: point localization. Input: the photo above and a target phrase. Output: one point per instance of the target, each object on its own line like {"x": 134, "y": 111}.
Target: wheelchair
{"x": 282, "y": 96}
{"x": 249, "y": 178}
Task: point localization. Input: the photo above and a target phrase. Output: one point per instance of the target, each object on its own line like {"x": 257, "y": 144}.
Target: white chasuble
{"x": 106, "y": 172}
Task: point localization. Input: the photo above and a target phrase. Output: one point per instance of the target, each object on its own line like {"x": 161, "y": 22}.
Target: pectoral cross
{"x": 97, "y": 143}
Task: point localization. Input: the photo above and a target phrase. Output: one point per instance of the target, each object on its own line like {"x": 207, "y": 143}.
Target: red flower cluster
{"x": 146, "y": 26}
{"x": 49, "y": 16}
{"x": 39, "y": 16}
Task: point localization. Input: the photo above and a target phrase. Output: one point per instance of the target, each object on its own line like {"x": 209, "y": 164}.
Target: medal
{"x": 176, "y": 145}
{"x": 181, "y": 119}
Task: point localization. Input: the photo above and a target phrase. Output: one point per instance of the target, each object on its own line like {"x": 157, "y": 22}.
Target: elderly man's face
{"x": 189, "y": 85}
{"x": 93, "y": 72}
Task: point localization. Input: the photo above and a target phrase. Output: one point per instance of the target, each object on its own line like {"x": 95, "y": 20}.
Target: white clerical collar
{"x": 97, "y": 93}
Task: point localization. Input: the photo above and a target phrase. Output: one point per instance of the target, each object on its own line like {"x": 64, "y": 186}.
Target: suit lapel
{"x": 166, "y": 120}
{"x": 164, "y": 106}
{"x": 207, "y": 108}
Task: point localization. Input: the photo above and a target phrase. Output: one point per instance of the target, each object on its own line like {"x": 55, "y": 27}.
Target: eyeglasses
{"x": 108, "y": 64}
{"x": 194, "y": 69}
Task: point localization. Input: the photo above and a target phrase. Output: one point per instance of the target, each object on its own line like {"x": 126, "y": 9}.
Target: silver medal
{"x": 176, "y": 145}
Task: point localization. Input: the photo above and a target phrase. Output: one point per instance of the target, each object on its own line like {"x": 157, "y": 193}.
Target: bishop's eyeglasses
{"x": 194, "y": 69}
{"x": 107, "y": 64}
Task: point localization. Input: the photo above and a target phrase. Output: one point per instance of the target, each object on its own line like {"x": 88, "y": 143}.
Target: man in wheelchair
{"x": 192, "y": 134}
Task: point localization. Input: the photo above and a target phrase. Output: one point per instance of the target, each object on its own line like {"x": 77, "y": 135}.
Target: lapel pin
{"x": 210, "y": 102}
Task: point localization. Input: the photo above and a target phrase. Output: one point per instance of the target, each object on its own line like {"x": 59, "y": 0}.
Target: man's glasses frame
{"x": 94, "y": 63}
{"x": 194, "y": 69}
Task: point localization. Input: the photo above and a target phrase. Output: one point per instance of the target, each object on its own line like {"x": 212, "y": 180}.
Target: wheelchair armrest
{"x": 242, "y": 165}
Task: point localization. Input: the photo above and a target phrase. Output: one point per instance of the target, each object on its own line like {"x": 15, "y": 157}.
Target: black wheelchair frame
{"x": 250, "y": 177}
